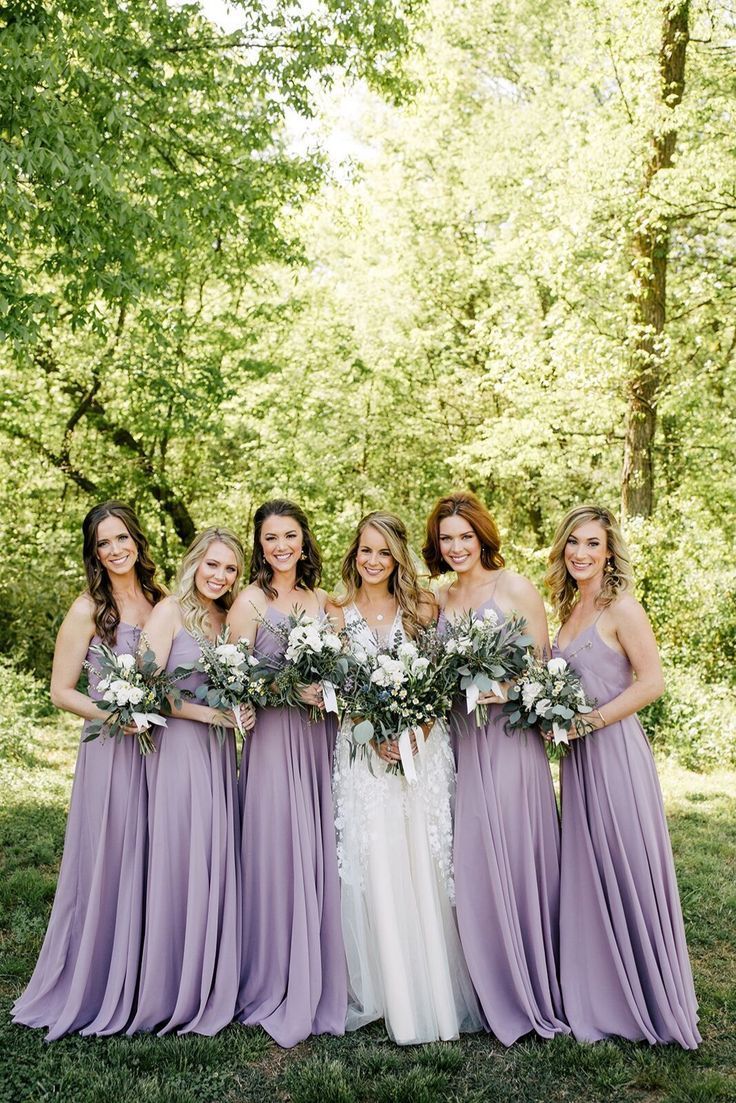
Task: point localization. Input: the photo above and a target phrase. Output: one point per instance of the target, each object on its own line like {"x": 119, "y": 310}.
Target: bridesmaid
{"x": 506, "y": 826}
{"x": 623, "y": 958}
{"x": 191, "y": 952}
{"x": 293, "y": 977}
{"x": 86, "y": 974}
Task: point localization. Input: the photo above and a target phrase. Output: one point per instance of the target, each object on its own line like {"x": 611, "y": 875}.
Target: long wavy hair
{"x": 99, "y": 586}
{"x": 465, "y": 504}
{"x": 309, "y": 566}
{"x": 618, "y": 577}
{"x": 404, "y": 582}
{"x": 193, "y": 609}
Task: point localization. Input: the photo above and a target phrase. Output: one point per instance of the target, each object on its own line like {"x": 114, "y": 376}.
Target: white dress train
{"x": 405, "y": 963}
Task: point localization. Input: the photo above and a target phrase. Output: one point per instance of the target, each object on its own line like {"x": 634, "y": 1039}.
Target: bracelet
{"x": 603, "y": 720}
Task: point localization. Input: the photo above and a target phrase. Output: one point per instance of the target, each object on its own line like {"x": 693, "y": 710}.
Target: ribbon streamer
{"x": 329, "y": 697}
{"x": 407, "y": 755}
{"x": 143, "y": 720}
{"x": 559, "y": 734}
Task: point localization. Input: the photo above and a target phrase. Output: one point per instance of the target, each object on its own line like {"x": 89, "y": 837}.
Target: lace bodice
{"x": 363, "y": 788}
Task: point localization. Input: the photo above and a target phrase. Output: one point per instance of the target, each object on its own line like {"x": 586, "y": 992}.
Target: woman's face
{"x": 281, "y": 542}
{"x": 586, "y": 552}
{"x": 116, "y": 549}
{"x": 373, "y": 560}
{"x": 217, "y": 573}
{"x": 459, "y": 543}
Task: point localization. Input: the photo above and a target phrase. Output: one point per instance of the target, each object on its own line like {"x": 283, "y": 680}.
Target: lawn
{"x": 241, "y": 1064}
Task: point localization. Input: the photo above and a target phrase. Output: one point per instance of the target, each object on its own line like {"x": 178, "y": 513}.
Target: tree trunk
{"x": 649, "y": 253}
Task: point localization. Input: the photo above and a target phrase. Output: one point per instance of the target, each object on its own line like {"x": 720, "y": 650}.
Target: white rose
{"x": 379, "y": 677}
{"x": 529, "y": 693}
{"x": 542, "y": 707}
{"x": 126, "y": 662}
{"x": 229, "y": 654}
{"x": 408, "y": 651}
{"x": 360, "y": 654}
{"x": 135, "y": 695}
{"x": 451, "y": 647}
{"x": 332, "y": 642}
{"x": 557, "y": 666}
{"x": 419, "y": 667}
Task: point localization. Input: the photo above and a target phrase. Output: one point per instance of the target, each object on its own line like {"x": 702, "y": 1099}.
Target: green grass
{"x": 241, "y": 1065}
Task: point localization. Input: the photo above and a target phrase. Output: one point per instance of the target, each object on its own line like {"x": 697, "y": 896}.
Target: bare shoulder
{"x": 81, "y": 615}
{"x": 166, "y": 612}
{"x": 335, "y": 613}
{"x": 516, "y": 588}
{"x": 627, "y": 612}
{"x": 252, "y": 597}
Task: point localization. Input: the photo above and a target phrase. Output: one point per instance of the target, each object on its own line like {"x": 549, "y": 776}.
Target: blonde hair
{"x": 194, "y": 612}
{"x": 404, "y": 582}
{"x": 618, "y": 577}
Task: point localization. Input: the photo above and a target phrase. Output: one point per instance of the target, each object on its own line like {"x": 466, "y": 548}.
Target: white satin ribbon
{"x": 143, "y": 720}
{"x": 559, "y": 734}
{"x": 329, "y": 697}
{"x": 407, "y": 755}
{"x": 472, "y": 693}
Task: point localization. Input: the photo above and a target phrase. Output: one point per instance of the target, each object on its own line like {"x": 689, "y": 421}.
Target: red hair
{"x": 465, "y": 504}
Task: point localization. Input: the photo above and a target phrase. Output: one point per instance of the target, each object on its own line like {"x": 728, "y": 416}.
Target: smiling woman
{"x": 86, "y": 974}
{"x": 293, "y": 970}
{"x": 191, "y": 954}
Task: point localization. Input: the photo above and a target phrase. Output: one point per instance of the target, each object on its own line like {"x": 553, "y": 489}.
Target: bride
{"x": 395, "y": 837}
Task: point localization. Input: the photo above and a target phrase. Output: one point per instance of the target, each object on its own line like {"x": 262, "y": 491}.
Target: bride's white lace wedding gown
{"x": 405, "y": 963}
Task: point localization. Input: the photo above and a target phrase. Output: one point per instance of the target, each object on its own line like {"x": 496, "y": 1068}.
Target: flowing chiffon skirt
{"x": 86, "y": 974}
{"x": 625, "y": 969}
{"x": 293, "y": 979}
{"x": 191, "y": 953}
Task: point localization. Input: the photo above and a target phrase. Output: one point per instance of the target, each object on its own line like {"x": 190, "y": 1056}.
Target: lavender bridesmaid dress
{"x": 85, "y": 977}
{"x": 191, "y": 952}
{"x": 507, "y": 873}
{"x": 293, "y": 974}
{"x": 624, "y": 964}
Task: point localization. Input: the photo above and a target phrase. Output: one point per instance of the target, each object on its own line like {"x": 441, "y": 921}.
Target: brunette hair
{"x": 194, "y": 612}
{"x": 99, "y": 587}
{"x": 465, "y": 504}
{"x": 309, "y": 566}
{"x": 404, "y": 582}
{"x": 618, "y": 576}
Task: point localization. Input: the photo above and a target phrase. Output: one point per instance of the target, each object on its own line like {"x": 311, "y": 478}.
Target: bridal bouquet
{"x": 485, "y": 653}
{"x": 549, "y": 696}
{"x": 134, "y": 693}
{"x": 394, "y": 692}
{"x": 234, "y": 678}
{"x": 313, "y": 652}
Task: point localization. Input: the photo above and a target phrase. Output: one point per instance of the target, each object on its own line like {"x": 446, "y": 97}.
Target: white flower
{"x": 359, "y": 653}
{"x": 408, "y": 650}
{"x": 332, "y": 642}
{"x": 490, "y": 617}
{"x": 451, "y": 647}
{"x": 557, "y": 666}
{"x": 558, "y": 687}
{"x": 229, "y": 654}
{"x": 135, "y": 695}
{"x": 388, "y": 672}
{"x": 126, "y": 662}
{"x": 529, "y": 692}
{"x": 542, "y": 707}
{"x": 419, "y": 667}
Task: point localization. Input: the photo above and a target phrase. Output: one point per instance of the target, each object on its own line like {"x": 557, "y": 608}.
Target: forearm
{"x": 189, "y": 710}
{"x": 634, "y": 698}
{"x": 71, "y": 700}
